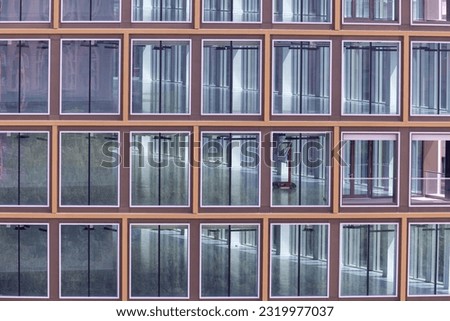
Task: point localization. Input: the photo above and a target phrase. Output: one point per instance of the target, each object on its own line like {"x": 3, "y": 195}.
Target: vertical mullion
{"x": 299, "y": 244}
{"x": 159, "y": 167}
{"x": 368, "y": 262}
{"x": 89, "y": 171}
{"x": 229, "y": 260}
{"x": 229, "y": 162}
{"x": 436, "y": 254}
{"x": 90, "y": 75}
{"x": 19, "y": 79}
{"x": 18, "y": 261}
{"x": 159, "y": 260}
{"x": 89, "y": 260}
{"x": 230, "y": 77}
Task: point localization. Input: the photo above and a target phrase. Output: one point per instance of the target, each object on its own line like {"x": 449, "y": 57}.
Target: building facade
{"x": 203, "y": 149}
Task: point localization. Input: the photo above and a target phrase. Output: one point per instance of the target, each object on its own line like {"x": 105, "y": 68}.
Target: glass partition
{"x": 161, "y": 77}
{"x": 368, "y": 260}
{"x": 231, "y": 77}
{"x": 371, "y": 78}
{"x": 159, "y": 260}
{"x": 24, "y": 260}
{"x": 299, "y": 260}
{"x": 230, "y": 169}
{"x": 89, "y": 260}
{"x": 229, "y": 261}
{"x": 160, "y": 169}
{"x": 89, "y": 169}
{"x": 301, "y": 77}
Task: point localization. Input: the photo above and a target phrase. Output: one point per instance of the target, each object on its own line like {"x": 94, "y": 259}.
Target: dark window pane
{"x": 90, "y": 76}
{"x": 301, "y": 11}
{"x": 161, "y": 10}
{"x": 91, "y": 10}
{"x": 89, "y": 169}
{"x": 24, "y": 264}
{"x": 24, "y": 76}
{"x": 25, "y": 10}
{"x": 89, "y": 260}
{"x": 232, "y": 11}
{"x": 159, "y": 261}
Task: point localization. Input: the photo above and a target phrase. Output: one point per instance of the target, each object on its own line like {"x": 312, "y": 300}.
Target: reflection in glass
{"x": 231, "y": 10}
{"x": 91, "y": 10}
{"x": 371, "y": 78}
{"x": 370, "y": 10}
{"x": 368, "y": 260}
{"x": 429, "y": 259}
{"x": 430, "y": 11}
{"x": 229, "y": 261}
{"x": 230, "y": 169}
{"x": 159, "y": 260}
{"x": 299, "y": 260}
{"x": 90, "y": 76}
{"x": 161, "y": 10}
{"x": 89, "y": 169}
{"x": 301, "y": 81}
{"x": 89, "y": 260}
{"x": 25, "y": 10}
{"x": 160, "y": 169}
{"x": 300, "y": 169}
{"x": 231, "y": 77}
{"x": 430, "y": 79}
{"x": 24, "y": 76}
{"x": 161, "y": 77}
{"x": 23, "y": 260}
{"x": 23, "y": 168}
{"x": 369, "y": 170}
{"x": 301, "y": 11}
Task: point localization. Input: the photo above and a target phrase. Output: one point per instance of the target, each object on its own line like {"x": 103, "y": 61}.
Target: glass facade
{"x": 371, "y": 10}
{"x": 24, "y": 167}
{"x": 89, "y": 260}
{"x": 90, "y": 81}
{"x": 89, "y": 169}
{"x": 161, "y": 77}
{"x": 232, "y": 11}
{"x": 161, "y": 10}
{"x": 430, "y": 78}
{"x": 230, "y": 169}
{"x": 23, "y": 260}
{"x": 429, "y": 258}
{"x": 299, "y": 260}
{"x": 230, "y": 261}
{"x": 24, "y": 76}
{"x": 25, "y": 11}
{"x": 369, "y": 170}
{"x": 300, "y": 169}
{"x": 159, "y": 260}
{"x": 368, "y": 260}
{"x": 301, "y": 77}
{"x": 231, "y": 77}
{"x": 91, "y": 10}
{"x": 160, "y": 167}
{"x": 306, "y": 11}
{"x": 371, "y": 78}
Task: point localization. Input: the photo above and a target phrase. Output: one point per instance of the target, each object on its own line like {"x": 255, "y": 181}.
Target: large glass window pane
{"x": 300, "y": 169}
{"x": 301, "y": 11}
{"x": 229, "y": 261}
{"x": 371, "y": 78}
{"x": 25, "y": 10}
{"x": 231, "y": 77}
{"x": 90, "y": 10}
{"x": 23, "y": 169}
{"x": 230, "y": 169}
{"x": 430, "y": 169}
{"x": 299, "y": 260}
{"x": 369, "y": 170}
{"x": 24, "y": 74}
{"x": 160, "y": 169}
{"x": 161, "y": 77}
{"x": 90, "y": 76}
{"x": 429, "y": 259}
{"x": 89, "y": 169}
{"x": 232, "y": 11}
{"x": 161, "y": 10}
{"x": 430, "y": 78}
{"x": 23, "y": 260}
{"x": 368, "y": 260}
{"x": 89, "y": 260}
{"x": 431, "y": 11}
{"x": 159, "y": 260}
{"x": 371, "y": 10}
{"x": 301, "y": 77}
